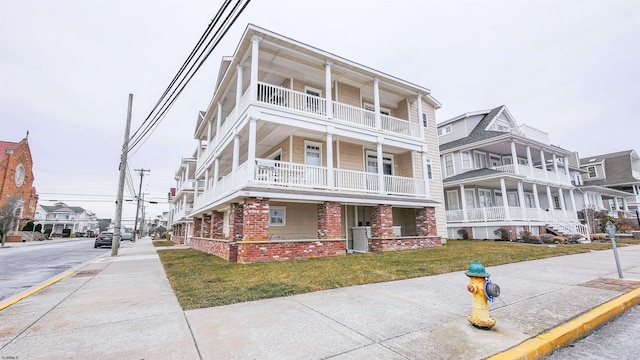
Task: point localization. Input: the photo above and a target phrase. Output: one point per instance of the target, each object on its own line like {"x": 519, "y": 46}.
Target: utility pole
{"x": 135, "y": 226}
{"x": 142, "y": 224}
{"x": 123, "y": 168}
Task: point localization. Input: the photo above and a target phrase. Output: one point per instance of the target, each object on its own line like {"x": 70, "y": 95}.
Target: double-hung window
{"x": 479, "y": 160}
{"x": 465, "y": 159}
{"x": 449, "y": 168}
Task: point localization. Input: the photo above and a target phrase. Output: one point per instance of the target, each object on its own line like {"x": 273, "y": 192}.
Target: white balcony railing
{"x": 537, "y": 174}
{"x": 356, "y": 181}
{"x": 403, "y": 185}
{"x": 300, "y": 101}
{"x": 290, "y": 174}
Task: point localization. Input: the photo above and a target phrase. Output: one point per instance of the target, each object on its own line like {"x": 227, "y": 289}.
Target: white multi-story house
{"x": 60, "y": 217}
{"x": 619, "y": 172}
{"x": 497, "y": 174}
{"x": 303, "y": 153}
{"x": 181, "y": 202}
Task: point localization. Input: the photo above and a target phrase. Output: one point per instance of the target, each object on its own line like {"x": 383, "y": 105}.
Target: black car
{"x": 103, "y": 239}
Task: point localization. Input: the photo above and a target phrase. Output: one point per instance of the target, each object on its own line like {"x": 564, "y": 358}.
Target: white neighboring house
{"x": 60, "y": 216}
{"x": 497, "y": 174}
{"x": 181, "y": 202}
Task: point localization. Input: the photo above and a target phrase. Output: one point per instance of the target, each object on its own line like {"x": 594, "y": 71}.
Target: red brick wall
{"x": 235, "y": 222}
{"x": 250, "y": 252}
{"x": 404, "y": 243}
{"x": 177, "y": 239}
{"x": 197, "y": 227}
{"x": 256, "y": 219}
{"x": 426, "y": 222}
{"x": 206, "y": 225}
{"x": 217, "y": 224}
{"x": 382, "y": 221}
{"x": 221, "y": 248}
{"x": 329, "y": 220}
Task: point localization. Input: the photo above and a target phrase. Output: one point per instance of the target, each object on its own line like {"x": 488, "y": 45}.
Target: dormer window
{"x": 445, "y": 130}
{"x": 592, "y": 172}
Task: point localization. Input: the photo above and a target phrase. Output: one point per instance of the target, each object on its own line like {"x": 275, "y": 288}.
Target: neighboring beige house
{"x": 303, "y": 153}
{"x": 61, "y": 219}
{"x": 501, "y": 175}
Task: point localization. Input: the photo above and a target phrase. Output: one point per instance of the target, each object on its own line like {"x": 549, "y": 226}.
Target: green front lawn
{"x": 203, "y": 280}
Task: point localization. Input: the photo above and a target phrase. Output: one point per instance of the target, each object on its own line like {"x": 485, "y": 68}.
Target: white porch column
{"x": 625, "y": 206}
{"x": 219, "y": 120}
{"x": 376, "y": 103}
{"x": 616, "y": 203}
{"x": 251, "y": 150}
{"x": 425, "y": 172}
{"x": 327, "y": 87}
{"x": 330, "y": 177}
{"x": 555, "y": 165}
{"x": 239, "y": 88}
{"x": 585, "y": 200}
{"x": 206, "y": 180}
{"x": 544, "y": 166}
{"x": 550, "y": 200}
{"x": 530, "y": 159}
{"x": 420, "y": 122}
{"x": 216, "y": 170}
{"x": 186, "y": 171}
{"x": 255, "y": 51}
{"x": 236, "y": 156}
{"x": 563, "y": 205}
{"x": 199, "y": 150}
{"x": 505, "y": 203}
{"x": 536, "y": 199}
{"x": 600, "y": 202}
{"x": 195, "y": 190}
{"x": 184, "y": 203}
{"x": 573, "y": 201}
{"x": 381, "y": 188}
{"x": 514, "y": 156}
{"x": 566, "y": 168}
{"x": 521, "y": 197}
{"x": 209, "y": 129}
{"x": 463, "y": 197}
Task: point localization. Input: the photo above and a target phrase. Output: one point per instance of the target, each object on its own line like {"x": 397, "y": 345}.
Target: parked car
{"x": 126, "y": 236}
{"x": 105, "y": 238}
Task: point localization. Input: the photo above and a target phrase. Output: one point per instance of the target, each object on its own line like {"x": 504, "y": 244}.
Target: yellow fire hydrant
{"x": 481, "y": 289}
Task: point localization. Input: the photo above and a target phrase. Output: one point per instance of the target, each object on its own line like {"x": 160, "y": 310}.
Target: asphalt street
{"x": 26, "y": 266}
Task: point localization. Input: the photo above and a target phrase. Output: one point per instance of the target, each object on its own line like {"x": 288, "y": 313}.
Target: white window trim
{"x": 386, "y": 158}
{"x": 517, "y": 198}
{"x": 493, "y": 157}
{"x": 276, "y": 153}
{"x": 383, "y": 110}
{"x": 462, "y": 160}
{"x": 456, "y": 197}
{"x": 474, "y": 159}
{"x": 447, "y": 130}
{"x": 284, "y": 215}
{"x": 306, "y": 88}
{"x": 425, "y": 119}
{"x": 490, "y": 198}
{"x": 473, "y": 196}
{"x": 429, "y": 169}
{"x": 312, "y": 143}
{"x": 595, "y": 170}
{"x": 444, "y": 162}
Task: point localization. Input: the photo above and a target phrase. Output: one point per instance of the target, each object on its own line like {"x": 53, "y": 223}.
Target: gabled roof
{"x": 62, "y": 208}
{"x": 478, "y": 133}
{"x": 599, "y": 158}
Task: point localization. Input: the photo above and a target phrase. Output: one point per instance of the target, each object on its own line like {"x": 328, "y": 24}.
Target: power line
{"x": 149, "y": 127}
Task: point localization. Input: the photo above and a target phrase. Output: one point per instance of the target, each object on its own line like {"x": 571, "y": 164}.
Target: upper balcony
{"x": 535, "y": 174}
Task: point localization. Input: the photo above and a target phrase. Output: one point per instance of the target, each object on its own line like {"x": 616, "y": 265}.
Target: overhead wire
{"x": 150, "y": 127}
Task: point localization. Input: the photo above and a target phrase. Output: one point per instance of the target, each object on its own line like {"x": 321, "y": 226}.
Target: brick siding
{"x": 235, "y": 222}
{"x": 217, "y": 225}
{"x": 403, "y": 243}
{"x": 263, "y": 251}
{"x": 222, "y": 248}
{"x": 426, "y": 222}
{"x": 329, "y": 220}
{"x": 256, "y": 219}
{"x": 382, "y": 221}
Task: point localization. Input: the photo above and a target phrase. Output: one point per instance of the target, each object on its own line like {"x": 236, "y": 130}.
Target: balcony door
{"x": 313, "y": 100}
{"x": 485, "y": 198}
{"x": 313, "y": 157}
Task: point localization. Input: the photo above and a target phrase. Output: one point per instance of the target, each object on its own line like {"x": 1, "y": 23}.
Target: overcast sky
{"x": 570, "y": 68}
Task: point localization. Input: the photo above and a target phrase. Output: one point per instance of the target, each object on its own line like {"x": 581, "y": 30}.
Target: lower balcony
{"x": 500, "y": 213}
{"x": 280, "y": 175}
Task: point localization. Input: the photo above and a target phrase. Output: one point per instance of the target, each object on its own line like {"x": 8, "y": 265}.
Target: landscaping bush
{"x": 598, "y": 237}
{"x": 560, "y": 240}
{"x": 573, "y": 238}
{"x": 464, "y": 234}
{"x": 547, "y": 238}
{"x": 503, "y": 233}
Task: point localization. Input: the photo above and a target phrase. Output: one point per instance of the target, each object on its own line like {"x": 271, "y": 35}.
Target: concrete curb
{"x": 10, "y": 302}
{"x": 571, "y": 331}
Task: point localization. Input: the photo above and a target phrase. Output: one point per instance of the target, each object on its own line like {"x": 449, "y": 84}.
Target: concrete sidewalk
{"x": 124, "y": 308}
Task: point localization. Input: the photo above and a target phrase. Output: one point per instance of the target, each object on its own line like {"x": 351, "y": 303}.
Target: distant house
{"x": 619, "y": 171}
{"x": 181, "y": 201}
{"x": 499, "y": 175}
{"x": 63, "y": 219}
{"x": 16, "y": 178}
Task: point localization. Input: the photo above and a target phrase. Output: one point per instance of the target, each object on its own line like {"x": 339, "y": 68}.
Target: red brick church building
{"x": 16, "y": 177}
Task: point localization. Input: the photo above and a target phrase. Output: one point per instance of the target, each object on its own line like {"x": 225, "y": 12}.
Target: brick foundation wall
{"x": 177, "y": 239}
{"x": 217, "y": 225}
{"x": 235, "y": 222}
{"x": 256, "y": 219}
{"x": 197, "y": 227}
{"x": 403, "y": 243}
{"x": 206, "y": 225}
{"x": 329, "y": 220}
{"x": 426, "y": 222}
{"x": 250, "y": 252}
{"x": 382, "y": 221}
{"x": 222, "y": 248}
